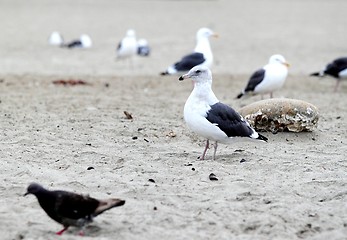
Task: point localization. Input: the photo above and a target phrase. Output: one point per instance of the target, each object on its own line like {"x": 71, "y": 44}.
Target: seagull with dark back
{"x": 211, "y": 119}
{"x": 336, "y": 69}
{"x": 267, "y": 79}
{"x": 202, "y": 54}
{"x": 71, "y": 209}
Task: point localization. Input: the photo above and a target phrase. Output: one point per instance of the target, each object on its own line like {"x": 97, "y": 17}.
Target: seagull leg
{"x": 337, "y": 85}
{"x": 215, "y": 145}
{"x": 204, "y": 152}
{"x": 61, "y": 231}
{"x": 271, "y": 95}
{"x": 81, "y": 232}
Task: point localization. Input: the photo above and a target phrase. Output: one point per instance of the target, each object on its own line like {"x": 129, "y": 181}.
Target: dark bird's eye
{"x": 198, "y": 71}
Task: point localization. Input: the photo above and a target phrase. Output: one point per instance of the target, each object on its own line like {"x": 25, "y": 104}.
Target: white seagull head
{"x": 205, "y": 33}
{"x": 277, "y": 58}
{"x": 142, "y": 42}
{"x": 86, "y": 41}
{"x": 198, "y": 74}
{"x": 130, "y": 33}
{"x": 56, "y": 38}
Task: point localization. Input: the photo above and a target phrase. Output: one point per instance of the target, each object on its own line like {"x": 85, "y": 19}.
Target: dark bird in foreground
{"x": 336, "y": 69}
{"x": 70, "y": 209}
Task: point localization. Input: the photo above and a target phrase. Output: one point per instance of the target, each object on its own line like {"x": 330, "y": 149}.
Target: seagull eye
{"x": 198, "y": 71}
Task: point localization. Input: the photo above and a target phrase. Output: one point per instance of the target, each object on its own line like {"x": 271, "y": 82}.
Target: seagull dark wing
{"x": 189, "y": 61}
{"x": 119, "y": 45}
{"x": 256, "y": 78}
{"x": 229, "y": 121}
{"x": 336, "y": 66}
{"x": 73, "y": 44}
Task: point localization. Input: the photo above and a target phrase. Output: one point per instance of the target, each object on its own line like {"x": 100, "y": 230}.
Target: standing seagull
{"x": 70, "y": 209}
{"x": 83, "y": 42}
{"x": 267, "y": 79}
{"x": 336, "y": 69}
{"x": 202, "y": 54}
{"x": 208, "y": 117}
{"x": 127, "y": 48}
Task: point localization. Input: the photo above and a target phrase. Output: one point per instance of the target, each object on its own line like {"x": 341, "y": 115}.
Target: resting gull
{"x": 83, "y": 42}
{"x": 336, "y": 69}
{"x": 267, "y": 79}
{"x": 127, "y": 48}
{"x": 143, "y": 48}
{"x": 201, "y": 56}
{"x": 211, "y": 119}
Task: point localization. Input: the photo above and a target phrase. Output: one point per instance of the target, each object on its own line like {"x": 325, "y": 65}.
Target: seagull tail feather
{"x": 261, "y": 137}
{"x": 164, "y": 73}
{"x": 240, "y": 95}
{"x": 317, "y": 74}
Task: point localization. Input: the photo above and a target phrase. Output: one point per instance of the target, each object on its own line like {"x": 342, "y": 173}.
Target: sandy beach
{"x": 293, "y": 187}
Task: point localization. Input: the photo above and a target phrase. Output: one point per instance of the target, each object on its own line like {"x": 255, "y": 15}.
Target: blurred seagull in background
{"x": 267, "y": 79}
{"x": 211, "y": 119}
{"x": 336, "y": 69}
{"x": 143, "y": 48}
{"x": 202, "y": 54}
{"x": 127, "y": 48}
{"x": 83, "y": 42}
{"x": 56, "y": 39}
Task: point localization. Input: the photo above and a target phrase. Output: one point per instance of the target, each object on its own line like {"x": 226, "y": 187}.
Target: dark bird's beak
{"x": 26, "y": 194}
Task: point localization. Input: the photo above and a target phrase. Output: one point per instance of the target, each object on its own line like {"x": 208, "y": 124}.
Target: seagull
{"x": 336, "y": 69}
{"x": 267, "y": 79}
{"x": 127, "y": 47}
{"x": 211, "y": 119}
{"x": 143, "y": 48}
{"x": 70, "y": 209}
{"x": 201, "y": 56}
{"x": 56, "y": 39}
{"x": 83, "y": 42}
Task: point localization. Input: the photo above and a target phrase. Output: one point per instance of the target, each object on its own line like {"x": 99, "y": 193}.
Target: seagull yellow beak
{"x": 215, "y": 35}
{"x": 286, "y": 64}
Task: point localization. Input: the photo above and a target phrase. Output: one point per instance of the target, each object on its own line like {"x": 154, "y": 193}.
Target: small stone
{"x": 242, "y": 160}
{"x": 90, "y": 168}
{"x": 213, "y": 177}
{"x": 128, "y": 115}
{"x": 151, "y": 180}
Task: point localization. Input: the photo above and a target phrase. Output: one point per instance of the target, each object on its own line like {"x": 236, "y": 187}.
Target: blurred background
{"x": 309, "y": 33}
